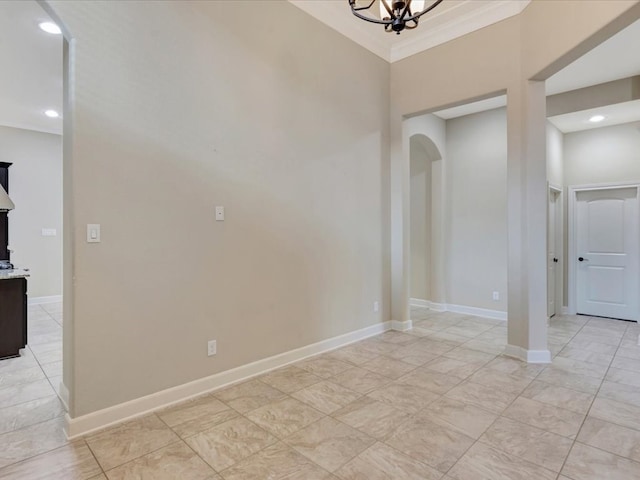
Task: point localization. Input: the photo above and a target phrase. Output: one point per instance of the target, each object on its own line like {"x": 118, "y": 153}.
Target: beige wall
{"x": 421, "y": 261}
{"x": 425, "y": 137}
{"x": 600, "y": 155}
{"x": 35, "y": 184}
{"x": 509, "y": 56}
{"x": 182, "y": 106}
{"x": 477, "y": 169}
{"x": 555, "y": 160}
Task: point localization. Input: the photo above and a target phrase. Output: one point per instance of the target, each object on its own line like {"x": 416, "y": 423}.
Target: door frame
{"x": 572, "y": 240}
{"x": 559, "y": 240}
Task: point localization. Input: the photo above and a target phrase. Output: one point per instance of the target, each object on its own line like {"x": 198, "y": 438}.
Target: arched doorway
{"x": 424, "y": 182}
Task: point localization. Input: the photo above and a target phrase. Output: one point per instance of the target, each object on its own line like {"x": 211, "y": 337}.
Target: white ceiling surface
{"x": 449, "y": 20}
{"x": 613, "y": 115}
{"x": 31, "y": 64}
{"x": 613, "y": 59}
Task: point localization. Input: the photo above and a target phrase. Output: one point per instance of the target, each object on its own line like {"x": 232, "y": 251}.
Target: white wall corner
{"x": 78, "y": 426}
{"x": 401, "y": 326}
{"x": 529, "y": 356}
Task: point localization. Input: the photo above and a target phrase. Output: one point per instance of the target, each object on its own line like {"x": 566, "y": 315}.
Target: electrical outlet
{"x": 496, "y": 296}
{"x": 212, "y": 347}
{"x": 376, "y": 307}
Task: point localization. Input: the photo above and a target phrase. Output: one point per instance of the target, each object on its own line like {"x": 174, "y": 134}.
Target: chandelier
{"x": 395, "y": 15}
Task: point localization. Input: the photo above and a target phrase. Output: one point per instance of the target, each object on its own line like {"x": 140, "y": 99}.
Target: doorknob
{"x": 582, "y": 259}
{"x": 555, "y": 260}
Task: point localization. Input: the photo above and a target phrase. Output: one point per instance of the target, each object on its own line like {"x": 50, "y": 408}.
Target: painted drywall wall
{"x": 425, "y": 138}
{"x": 555, "y": 161}
{"x": 35, "y": 184}
{"x": 420, "y": 222}
{"x": 555, "y": 177}
{"x": 512, "y": 55}
{"x": 477, "y": 175}
{"x": 601, "y": 155}
{"x": 182, "y": 106}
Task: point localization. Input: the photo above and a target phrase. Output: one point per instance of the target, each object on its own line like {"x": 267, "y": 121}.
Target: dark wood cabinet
{"x": 13, "y": 316}
{"x": 4, "y": 221}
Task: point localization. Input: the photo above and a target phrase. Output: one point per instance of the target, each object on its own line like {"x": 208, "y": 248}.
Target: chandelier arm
{"x": 369, "y": 19}
{"x": 387, "y": 8}
{"x": 353, "y": 7}
{"x": 427, "y": 10}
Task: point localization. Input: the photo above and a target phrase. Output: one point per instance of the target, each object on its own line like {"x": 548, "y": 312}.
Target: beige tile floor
{"x": 438, "y": 402}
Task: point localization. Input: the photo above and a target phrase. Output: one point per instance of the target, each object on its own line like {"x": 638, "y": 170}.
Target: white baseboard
{"x": 564, "y": 311}
{"x": 43, "y": 300}
{"x": 529, "y": 356}
{"x": 478, "y": 312}
{"x": 401, "y": 326}
{"x": 75, "y": 427}
{"x": 448, "y": 307}
{"x": 436, "y": 307}
{"x": 418, "y": 302}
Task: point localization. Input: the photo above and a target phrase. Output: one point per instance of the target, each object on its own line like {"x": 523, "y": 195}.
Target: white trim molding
{"x": 445, "y": 23}
{"x": 418, "y": 302}
{"x": 401, "y": 326}
{"x": 43, "y": 300}
{"x": 478, "y": 312}
{"x": 529, "y": 356}
{"x": 448, "y": 307}
{"x": 75, "y": 427}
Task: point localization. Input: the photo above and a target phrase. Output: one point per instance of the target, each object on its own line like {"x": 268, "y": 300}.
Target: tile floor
{"x": 438, "y": 402}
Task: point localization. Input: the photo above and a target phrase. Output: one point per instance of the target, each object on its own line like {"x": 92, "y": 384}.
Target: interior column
{"x": 527, "y": 223}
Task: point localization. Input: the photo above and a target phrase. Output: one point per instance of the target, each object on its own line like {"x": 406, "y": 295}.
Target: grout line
{"x": 94, "y": 457}
{"x": 575, "y": 440}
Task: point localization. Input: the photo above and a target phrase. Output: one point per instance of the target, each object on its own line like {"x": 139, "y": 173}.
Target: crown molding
{"x": 465, "y": 18}
{"x": 442, "y": 26}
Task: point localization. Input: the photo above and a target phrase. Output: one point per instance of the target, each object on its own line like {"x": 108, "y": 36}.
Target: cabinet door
{"x": 13, "y": 316}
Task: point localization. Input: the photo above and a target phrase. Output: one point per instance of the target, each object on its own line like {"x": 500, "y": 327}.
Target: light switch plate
{"x": 219, "y": 214}
{"x": 93, "y": 233}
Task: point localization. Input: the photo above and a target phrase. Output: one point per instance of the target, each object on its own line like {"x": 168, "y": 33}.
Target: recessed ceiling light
{"x": 51, "y": 113}
{"x": 596, "y": 118}
{"x": 50, "y": 27}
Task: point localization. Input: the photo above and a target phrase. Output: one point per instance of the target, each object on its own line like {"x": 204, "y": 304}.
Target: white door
{"x": 552, "y": 252}
{"x": 607, "y": 252}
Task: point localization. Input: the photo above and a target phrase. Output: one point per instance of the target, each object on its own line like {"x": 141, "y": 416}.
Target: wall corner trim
{"x": 75, "y": 427}
{"x": 529, "y": 356}
{"x": 401, "y": 326}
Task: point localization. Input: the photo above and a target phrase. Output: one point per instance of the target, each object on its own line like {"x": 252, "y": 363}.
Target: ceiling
{"x": 613, "y": 59}
{"x": 31, "y": 62}
{"x": 449, "y": 20}
{"x": 32, "y": 59}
